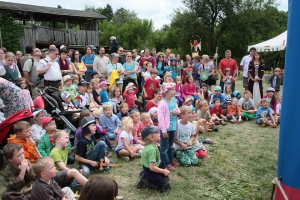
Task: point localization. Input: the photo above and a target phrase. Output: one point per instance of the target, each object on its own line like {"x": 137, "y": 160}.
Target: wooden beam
{"x": 96, "y": 25}
{"x": 24, "y": 23}
{"x": 31, "y": 19}
{"x": 66, "y": 22}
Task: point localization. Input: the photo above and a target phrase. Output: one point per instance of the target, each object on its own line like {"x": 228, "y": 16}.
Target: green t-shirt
{"x": 150, "y": 154}
{"x": 59, "y": 156}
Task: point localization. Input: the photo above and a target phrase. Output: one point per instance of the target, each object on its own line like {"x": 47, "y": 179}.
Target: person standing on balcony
{"x": 114, "y": 45}
{"x": 88, "y": 60}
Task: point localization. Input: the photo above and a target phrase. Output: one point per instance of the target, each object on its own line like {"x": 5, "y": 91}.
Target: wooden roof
{"x": 42, "y": 13}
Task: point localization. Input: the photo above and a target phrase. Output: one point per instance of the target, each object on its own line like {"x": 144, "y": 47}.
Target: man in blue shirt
{"x": 88, "y": 60}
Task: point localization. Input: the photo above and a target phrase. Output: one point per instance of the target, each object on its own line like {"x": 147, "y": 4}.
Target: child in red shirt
{"x": 217, "y": 112}
{"x": 188, "y": 71}
{"x": 129, "y": 95}
{"x": 151, "y": 84}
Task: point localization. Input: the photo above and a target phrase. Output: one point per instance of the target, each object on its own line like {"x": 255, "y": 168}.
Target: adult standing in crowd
{"x": 64, "y": 63}
{"x": 114, "y": 45}
{"x": 245, "y": 66}
{"x": 154, "y": 53}
{"x": 162, "y": 65}
{"x": 51, "y": 70}
{"x": 78, "y": 66}
{"x": 179, "y": 61}
{"x": 100, "y": 63}
{"x": 18, "y": 59}
{"x": 230, "y": 63}
{"x": 197, "y": 70}
{"x": 28, "y": 52}
{"x": 30, "y": 72}
{"x": 122, "y": 58}
{"x": 148, "y": 58}
{"x": 88, "y": 60}
{"x": 114, "y": 65}
{"x": 2, "y": 55}
{"x": 142, "y": 54}
{"x": 188, "y": 60}
{"x": 130, "y": 68}
{"x": 209, "y": 66}
{"x": 135, "y": 54}
{"x": 167, "y": 57}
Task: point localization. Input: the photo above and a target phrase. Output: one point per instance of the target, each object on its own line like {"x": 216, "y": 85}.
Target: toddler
{"x": 37, "y": 130}
{"x": 234, "y": 112}
{"x": 227, "y": 79}
{"x": 189, "y": 102}
{"x": 264, "y": 115}
{"x": 137, "y": 127}
{"x": 154, "y": 116}
{"x": 146, "y": 120}
{"x": 69, "y": 87}
{"x": 67, "y": 103}
{"x": 129, "y": 96}
{"x": 26, "y": 93}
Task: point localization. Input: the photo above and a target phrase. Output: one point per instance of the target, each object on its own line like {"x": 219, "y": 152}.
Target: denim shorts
{"x": 118, "y": 151}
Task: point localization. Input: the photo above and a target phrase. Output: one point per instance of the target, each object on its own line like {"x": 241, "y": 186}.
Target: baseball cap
{"x": 217, "y": 88}
{"x": 46, "y": 120}
{"x": 83, "y": 83}
{"x": 103, "y": 83}
{"x": 65, "y": 95}
{"x": 112, "y": 38}
{"x": 35, "y": 113}
{"x": 67, "y": 77}
{"x": 87, "y": 121}
{"x": 149, "y": 130}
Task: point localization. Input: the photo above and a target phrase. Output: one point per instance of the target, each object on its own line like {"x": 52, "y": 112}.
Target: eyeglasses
{"x": 134, "y": 52}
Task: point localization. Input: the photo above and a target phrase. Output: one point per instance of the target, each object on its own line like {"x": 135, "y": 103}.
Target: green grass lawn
{"x": 240, "y": 165}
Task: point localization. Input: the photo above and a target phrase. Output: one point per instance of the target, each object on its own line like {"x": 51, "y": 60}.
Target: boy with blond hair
{"x": 45, "y": 186}
{"x": 110, "y": 122}
{"x": 22, "y": 136}
{"x": 264, "y": 115}
{"x": 203, "y": 113}
{"x": 18, "y": 175}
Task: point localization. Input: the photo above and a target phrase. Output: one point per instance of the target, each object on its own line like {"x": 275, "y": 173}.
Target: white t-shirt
{"x": 128, "y": 138}
{"x": 246, "y": 105}
{"x": 37, "y": 132}
{"x": 245, "y": 63}
{"x": 68, "y": 107}
{"x": 84, "y": 99}
{"x": 278, "y": 108}
{"x": 53, "y": 73}
{"x": 183, "y": 133}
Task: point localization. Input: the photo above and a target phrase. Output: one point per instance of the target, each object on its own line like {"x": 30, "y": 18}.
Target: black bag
{"x": 211, "y": 80}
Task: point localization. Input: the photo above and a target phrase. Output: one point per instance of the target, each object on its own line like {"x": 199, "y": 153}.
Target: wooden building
{"x": 37, "y": 36}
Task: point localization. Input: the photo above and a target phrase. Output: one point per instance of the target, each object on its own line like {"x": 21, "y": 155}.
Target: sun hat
{"x": 103, "y": 83}
{"x": 189, "y": 98}
{"x": 130, "y": 84}
{"x": 270, "y": 89}
{"x": 128, "y": 87}
{"x": 149, "y": 130}
{"x": 35, "y": 113}
{"x": 160, "y": 54}
{"x": 46, "y": 120}
{"x": 65, "y": 95}
{"x": 86, "y": 121}
{"x": 174, "y": 59}
{"x": 67, "y": 77}
{"x": 217, "y": 88}
{"x": 152, "y": 110}
{"x": 167, "y": 87}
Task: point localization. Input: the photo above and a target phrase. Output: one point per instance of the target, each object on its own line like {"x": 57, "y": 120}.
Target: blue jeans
{"x": 166, "y": 151}
{"x": 236, "y": 116}
{"x": 111, "y": 136}
{"x": 97, "y": 152}
{"x": 222, "y": 86}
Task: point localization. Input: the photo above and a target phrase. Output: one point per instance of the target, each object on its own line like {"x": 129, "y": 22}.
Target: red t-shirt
{"x": 149, "y": 105}
{"x": 130, "y": 98}
{"x": 231, "y": 64}
{"x": 150, "y": 86}
{"x": 150, "y": 59}
{"x": 217, "y": 111}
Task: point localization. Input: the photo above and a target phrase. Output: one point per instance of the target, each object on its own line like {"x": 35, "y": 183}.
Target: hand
{"x": 201, "y": 121}
{"x": 273, "y": 125}
{"x": 183, "y": 146}
{"x": 132, "y": 154}
{"x": 24, "y": 164}
{"x": 239, "y": 120}
{"x": 165, "y": 135}
{"x": 190, "y": 144}
{"x": 145, "y": 95}
{"x": 175, "y": 112}
{"x": 235, "y": 79}
{"x": 94, "y": 163}
{"x": 31, "y": 84}
{"x": 116, "y": 132}
{"x": 166, "y": 172}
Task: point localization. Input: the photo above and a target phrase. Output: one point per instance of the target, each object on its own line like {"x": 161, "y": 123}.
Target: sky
{"x": 157, "y": 10}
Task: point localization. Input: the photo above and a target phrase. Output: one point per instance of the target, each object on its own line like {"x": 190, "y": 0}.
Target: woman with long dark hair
{"x": 256, "y": 72}
{"x": 162, "y": 65}
{"x": 64, "y": 63}
{"x": 78, "y": 66}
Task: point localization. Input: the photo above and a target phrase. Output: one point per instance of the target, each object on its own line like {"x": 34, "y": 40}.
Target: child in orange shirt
{"x": 22, "y": 136}
{"x": 234, "y": 112}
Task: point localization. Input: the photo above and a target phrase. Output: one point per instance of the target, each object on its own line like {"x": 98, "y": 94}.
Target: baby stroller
{"x": 6, "y": 128}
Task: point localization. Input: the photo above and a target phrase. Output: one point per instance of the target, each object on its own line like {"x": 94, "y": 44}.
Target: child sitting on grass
{"x": 88, "y": 151}
{"x": 154, "y": 116}
{"x": 247, "y": 106}
{"x": 264, "y": 115}
{"x": 137, "y": 127}
{"x": 218, "y": 95}
{"x": 104, "y": 95}
{"x": 153, "y": 176}
{"x": 125, "y": 148}
{"x": 59, "y": 154}
{"x": 22, "y": 137}
{"x": 189, "y": 102}
{"x": 18, "y": 175}
{"x": 110, "y": 122}
{"x": 123, "y": 111}
{"x": 37, "y": 130}
{"x": 45, "y": 186}
{"x": 234, "y": 112}
{"x": 117, "y": 98}
{"x": 203, "y": 113}
{"x": 184, "y": 136}
{"x": 217, "y": 112}
{"x": 146, "y": 120}
{"x": 129, "y": 96}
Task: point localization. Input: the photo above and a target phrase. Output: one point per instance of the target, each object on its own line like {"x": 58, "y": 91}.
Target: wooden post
{"x": 23, "y": 18}
{"x": 66, "y": 22}
{"x": 96, "y": 25}
{"x": 31, "y": 19}
{"x": 54, "y": 24}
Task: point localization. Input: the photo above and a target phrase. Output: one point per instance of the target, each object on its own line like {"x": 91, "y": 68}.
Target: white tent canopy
{"x": 277, "y": 43}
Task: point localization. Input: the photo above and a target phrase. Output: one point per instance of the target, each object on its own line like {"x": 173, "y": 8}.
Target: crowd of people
{"x": 154, "y": 107}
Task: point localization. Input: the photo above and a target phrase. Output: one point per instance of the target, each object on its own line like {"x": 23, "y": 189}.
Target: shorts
{"x": 61, "y": 178}
{"x": 118, "y": 151}
{"x": 245, "y": 82}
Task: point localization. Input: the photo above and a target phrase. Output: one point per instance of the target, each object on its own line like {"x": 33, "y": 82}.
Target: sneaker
{"x": 125, "y": 158}
{"x": 214, "y": 129}
{"x": 107, "y": 154}
{"x": 112, "y": 148}
{"x": 174, "y": 163}
{"x": 141, "y": 182}
{"x": 139, "y": 155}
{"x": 231, "y": 120}
{"x": 217, "y": 122}
{"x": 223, "y": 123}
{"x": 107, "y": 168}
{"x": 170, "y": 168}
{"x": 246, "y": 119}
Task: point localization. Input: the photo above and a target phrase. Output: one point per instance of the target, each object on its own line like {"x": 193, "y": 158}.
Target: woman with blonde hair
{"x": 209, "y": 66}
{"x": 162, "y": 65}
{"x": 131, "y": 68}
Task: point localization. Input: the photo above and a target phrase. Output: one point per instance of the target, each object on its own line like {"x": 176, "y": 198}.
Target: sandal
{"x": 208, "y": 141}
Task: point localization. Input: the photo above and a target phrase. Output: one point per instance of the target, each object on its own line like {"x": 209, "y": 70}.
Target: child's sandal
{"x": 208, "y": 141}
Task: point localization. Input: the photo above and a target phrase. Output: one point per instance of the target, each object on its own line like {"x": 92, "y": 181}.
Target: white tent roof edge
{"x": 277, "y": 43}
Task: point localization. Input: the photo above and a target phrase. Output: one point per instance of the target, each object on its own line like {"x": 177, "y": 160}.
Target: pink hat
{"x": 167, "y": 88}
{"x": 103, "y": 83}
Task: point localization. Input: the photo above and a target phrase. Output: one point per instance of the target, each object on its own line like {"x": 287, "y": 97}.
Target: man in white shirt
{"x": 51, "y": 69}
{"x": 245, "y": 65}
{"x": 100, "y": 63}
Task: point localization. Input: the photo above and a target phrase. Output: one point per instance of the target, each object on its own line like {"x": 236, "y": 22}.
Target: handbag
{"x": 211, "y": 80}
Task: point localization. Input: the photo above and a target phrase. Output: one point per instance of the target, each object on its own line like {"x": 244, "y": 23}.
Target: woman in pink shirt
{"x": 189, "y": 88}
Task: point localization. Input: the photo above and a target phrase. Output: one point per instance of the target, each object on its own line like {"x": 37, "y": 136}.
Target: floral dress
{"x": 13, "y": 98}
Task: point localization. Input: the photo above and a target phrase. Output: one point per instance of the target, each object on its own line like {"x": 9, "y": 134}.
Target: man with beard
{"x": 100, "y": 63}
